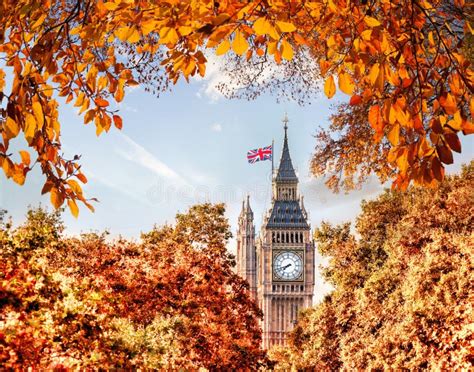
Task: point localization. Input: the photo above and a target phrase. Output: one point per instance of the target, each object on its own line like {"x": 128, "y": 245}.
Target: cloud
{"x": 216, "y": 127}
{"x": 138, "y": 154}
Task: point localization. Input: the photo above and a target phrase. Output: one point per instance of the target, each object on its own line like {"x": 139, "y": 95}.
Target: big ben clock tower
{"x": 284, "y": 255}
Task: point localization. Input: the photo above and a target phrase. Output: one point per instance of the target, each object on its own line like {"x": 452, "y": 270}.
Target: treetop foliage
{"x": 170, "y": 301}
{"x": 403, "y": 288}
{"x": 402, "y": 63}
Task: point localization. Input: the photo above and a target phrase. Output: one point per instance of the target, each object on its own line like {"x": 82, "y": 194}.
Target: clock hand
{"x": 284, "y": 267}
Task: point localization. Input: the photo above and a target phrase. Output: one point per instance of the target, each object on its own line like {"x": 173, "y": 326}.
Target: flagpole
{"x": 273, "y": 148}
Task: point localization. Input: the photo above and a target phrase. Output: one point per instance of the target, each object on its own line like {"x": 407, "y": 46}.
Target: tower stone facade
{"x": 246, "y": 250}
{"x": 279, "y": 263}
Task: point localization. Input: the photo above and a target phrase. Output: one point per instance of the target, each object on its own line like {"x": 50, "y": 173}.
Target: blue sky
{"x": 186, "y": 147}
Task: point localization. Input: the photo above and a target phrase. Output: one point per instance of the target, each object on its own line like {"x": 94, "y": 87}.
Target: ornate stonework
{"x": 279, "y": 263}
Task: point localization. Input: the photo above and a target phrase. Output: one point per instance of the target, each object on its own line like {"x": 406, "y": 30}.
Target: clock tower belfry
{"x": 284, "y": 255}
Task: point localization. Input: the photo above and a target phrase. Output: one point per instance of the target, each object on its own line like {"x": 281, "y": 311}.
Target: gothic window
{"x": 292, "y": 237}
{"x": 287, "y": 238}
{"x": 301, "y": 237}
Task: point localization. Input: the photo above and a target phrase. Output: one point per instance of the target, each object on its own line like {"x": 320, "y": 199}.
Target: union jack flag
{"x": 264, "y": 153}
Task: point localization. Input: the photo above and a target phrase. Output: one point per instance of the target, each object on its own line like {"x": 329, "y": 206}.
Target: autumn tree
{"x": 170, "y": 301}
{"x": 402, "y": 61}
{"x": 403, "y": 289}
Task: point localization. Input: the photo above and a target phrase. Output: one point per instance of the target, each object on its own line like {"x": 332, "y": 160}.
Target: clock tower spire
{"x": 284, "y": 254}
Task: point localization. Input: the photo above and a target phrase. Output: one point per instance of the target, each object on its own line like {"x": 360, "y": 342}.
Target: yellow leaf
{"x": 8, "y": 167}
{"x": 25, "y": 157}
{"x": 73, "y": 207}
{"x": 89, "y": 116}
{"x": 30, "y": 127}
{"x": 11, "y": 127}
{"x": 286, "y": 50}
{"x": 168, "y": 35}
{"x": 110, "y": 6}
{"x": 134, "y": 36}
{"x": 74, "y": 185}
{"x": 371, "y": 22}
{"x": 366, "y": 35}
{"x": 346, "y": 83}
{"x": 262, "y": 26}
{"x": 329, "y": 87}
{"x": 239, "y": 44}
{"x": 80, "y": 99}
{"x": 223, "y": 47}
{"x": 38, "y": 112}
{"x": 18, "y": 176}
{"x": 286, "y": 26}
{"x": 148, "y": 26}
{"x": 56, "y": 198}
{"x": 123, "y": 33}
{"x": 374, "y": 73}
{"x": 394, "y": 135}
{"x": 185, "y": 30}
{"x": 449, "y": 104}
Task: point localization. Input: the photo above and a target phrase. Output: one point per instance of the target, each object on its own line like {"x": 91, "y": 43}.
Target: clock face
{"x": 288, "y": 266}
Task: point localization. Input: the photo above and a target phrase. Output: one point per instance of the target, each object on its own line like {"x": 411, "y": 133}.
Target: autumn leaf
{"x": 57, "y": 199}
{"x": 355, "y": 100}
{"x": 12, "y": 128}
{"x": 286, "y": 26}
{"x": 394, "y": 135}
{"x": 168, "y": 35}
{"x": 239, "y": 45}
{"x": 25, "y": 157}
{"x": 30, "y": 127}
{"x": 371, "y": 22}
{"x": 346, "y": 84}
{"x": 100, "y": 102}
{"x": 329, "y": 87}
{"x": 38, "y": 113}
{"x": 223, "y": 47}
{"x": 73, "y": 207}
{"x": 286, "y": 50}
{"x": 117, "y": 121}
{"x": 262, "y": 26}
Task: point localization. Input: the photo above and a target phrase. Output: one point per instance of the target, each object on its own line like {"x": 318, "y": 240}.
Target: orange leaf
{"x": 394, "y": 135}
{"x": 101, "y": 102}
{"x": 117, "y": 121}
{"x": 374, "y": 118}
{"x": 57, "y": 199}
{"x": 286, "y": 50}
{"x": 25, "y": 157}
{"x": 448, "y": 103}
{"x": 346, "y": 84}
{"x": 286, "y": 26}
{"x": 73, "y": 207}
{"x": 239, "y": 44}
{"x": 223, "y": 47}
{"x": 81, "y": 177}
{"x": 355, "y": 100}
{"x": 38, "y": 113}
{"x": 11, "y": 127}
{"x": 330, "y": 87}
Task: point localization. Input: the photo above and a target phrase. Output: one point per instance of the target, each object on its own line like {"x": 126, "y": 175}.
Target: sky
{"x": 189, "y": 146}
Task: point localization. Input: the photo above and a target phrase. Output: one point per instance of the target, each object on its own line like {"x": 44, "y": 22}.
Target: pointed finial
{"x": 285, "y": 122}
